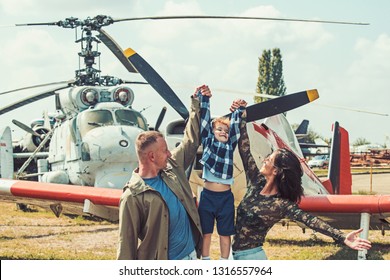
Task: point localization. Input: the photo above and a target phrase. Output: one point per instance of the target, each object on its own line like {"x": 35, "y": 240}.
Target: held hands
{"x": 353, "y": 241}
{"x": 237, "y": 104}
{"x": 204, "y": 90}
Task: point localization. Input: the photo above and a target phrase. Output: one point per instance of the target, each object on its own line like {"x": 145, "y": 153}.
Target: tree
{"x": 270, "y": 79}
{"x": 361, "y": 141}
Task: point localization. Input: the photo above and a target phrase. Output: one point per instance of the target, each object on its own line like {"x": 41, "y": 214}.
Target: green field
{"x": 39, "y": 235}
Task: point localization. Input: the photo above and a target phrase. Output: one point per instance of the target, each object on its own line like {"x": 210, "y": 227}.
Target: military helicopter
{"x": 76, "y": 144}
{"x": 89, "y": 140}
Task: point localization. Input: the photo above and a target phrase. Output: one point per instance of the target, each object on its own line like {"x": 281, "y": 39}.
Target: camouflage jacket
{"x": 257, "y": 213}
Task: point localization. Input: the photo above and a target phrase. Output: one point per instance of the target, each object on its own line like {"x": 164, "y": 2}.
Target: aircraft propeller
{"x": 25, "y": 128}
{"x": 160, "y": 118}
{"x": 279, "y": 105}
{"x": 39, "y": 135}
{"x": 158, "y": 83}
{"x": 134, "y": 63}
{"x": 116, "y": 50}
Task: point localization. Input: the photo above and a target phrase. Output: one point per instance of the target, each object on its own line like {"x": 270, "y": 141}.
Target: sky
{"x": 347, "y": 64}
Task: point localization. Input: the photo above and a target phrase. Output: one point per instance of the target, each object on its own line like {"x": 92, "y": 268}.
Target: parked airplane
{"x": 330, "y": 196}
{"x": 310, "y": 147}
{"x": 302, "y": 129}
{"x": 330, "y": 199}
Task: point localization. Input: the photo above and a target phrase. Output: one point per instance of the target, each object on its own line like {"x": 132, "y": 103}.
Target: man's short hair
{"x": 145, "y": 139}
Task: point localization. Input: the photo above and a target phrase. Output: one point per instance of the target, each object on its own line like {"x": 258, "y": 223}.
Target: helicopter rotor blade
{"x": 160, "y": 118}
{"x": 70, "y": 82}
{"x": 116, "y": 50}
{"x": 25, "y": 128}
{"x": 134, "y": 82}
{"x": 74, "y": 22}
{"x": 239, "y": 18}
{"x": 29, "y": 100}
{"x": 154, "y": 79}
{"x": 36, "y": 23}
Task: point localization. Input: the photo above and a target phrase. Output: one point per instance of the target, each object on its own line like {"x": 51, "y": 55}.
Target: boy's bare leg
{"x": 206, "y": 245}
{"x": 224, "y": 243}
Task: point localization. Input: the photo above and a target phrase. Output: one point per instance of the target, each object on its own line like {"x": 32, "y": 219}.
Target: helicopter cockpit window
{"x": 94, "y": 119}
{"x": 132, "y": 118}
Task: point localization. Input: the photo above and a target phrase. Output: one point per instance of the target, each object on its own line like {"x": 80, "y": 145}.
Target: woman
{"x": 273, "y": 193}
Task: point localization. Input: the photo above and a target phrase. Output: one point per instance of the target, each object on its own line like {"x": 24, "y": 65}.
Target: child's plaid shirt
{"x": 218, "y": 156}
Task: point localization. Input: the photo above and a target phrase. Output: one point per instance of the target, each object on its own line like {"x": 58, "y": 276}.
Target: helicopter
{"x": 89, "y": 139}
{"x": 74, "y": 144}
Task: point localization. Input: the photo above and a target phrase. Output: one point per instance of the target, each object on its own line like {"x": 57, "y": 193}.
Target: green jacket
{"x": 143, "y": 214}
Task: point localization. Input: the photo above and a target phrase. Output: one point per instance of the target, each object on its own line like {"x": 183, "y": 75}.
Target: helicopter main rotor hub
{"x": 94, "y": 23}
{"x": 89, "y": 75}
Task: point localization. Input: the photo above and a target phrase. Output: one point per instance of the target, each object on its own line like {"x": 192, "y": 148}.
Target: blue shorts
{"x": 217, "y": 206}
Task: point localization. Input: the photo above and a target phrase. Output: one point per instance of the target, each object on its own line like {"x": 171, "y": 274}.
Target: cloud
{"x": 371, "y": 55}
{"x": 77, "y": 8}
{"x": 222, "y": 53}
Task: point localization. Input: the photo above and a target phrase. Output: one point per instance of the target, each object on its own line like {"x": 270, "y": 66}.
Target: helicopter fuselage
{"x": 94, "y": 147}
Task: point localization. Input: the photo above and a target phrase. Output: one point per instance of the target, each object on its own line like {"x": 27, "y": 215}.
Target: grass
{"x": 291, "y": 243}
{"x": 41, "y": 236}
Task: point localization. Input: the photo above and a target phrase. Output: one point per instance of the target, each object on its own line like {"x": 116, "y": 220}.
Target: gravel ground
{"x": 378, "y": 183}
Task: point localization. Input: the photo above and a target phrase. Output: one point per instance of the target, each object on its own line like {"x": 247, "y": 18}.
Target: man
{"x": 157, "y": 206}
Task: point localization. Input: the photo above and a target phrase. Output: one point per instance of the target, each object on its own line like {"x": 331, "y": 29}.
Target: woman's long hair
{"x": 289, "y": 176}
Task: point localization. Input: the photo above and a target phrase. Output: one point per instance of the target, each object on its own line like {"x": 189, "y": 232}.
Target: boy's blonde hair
{"x": 222, "y": 120}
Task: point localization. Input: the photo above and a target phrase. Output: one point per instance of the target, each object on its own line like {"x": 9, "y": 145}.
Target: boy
{"x": 219, "y": 139}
